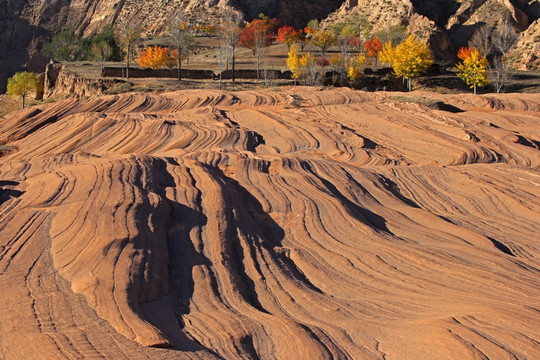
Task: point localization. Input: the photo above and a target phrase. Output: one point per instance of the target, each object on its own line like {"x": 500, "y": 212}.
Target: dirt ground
{"x": 274, "y": 57}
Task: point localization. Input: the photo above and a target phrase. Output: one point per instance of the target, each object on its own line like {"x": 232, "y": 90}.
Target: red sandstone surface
{"x": 292, "y": 224}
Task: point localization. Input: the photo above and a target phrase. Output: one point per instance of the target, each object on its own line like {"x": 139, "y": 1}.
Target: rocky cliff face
{"x": 452, "y": 23}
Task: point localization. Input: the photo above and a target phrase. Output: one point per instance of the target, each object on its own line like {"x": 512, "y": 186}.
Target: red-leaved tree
{"x": 373, "y": 47}
{"x": 257, "y": 35}
{"x": 356, "y": 43}
{"x": 289, "y": 35}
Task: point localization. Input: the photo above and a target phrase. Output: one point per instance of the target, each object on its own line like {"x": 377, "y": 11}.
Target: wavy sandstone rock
{"x": 292, "y": 224}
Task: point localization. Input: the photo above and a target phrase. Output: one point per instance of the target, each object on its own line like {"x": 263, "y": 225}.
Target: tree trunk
{"x": 409, "y": 84}
{"x": 474, "y": 89}
{"x": 258, "y": 62}
{"x": 179, "y": 64}
{"x": 127, "y": 67}
{"x": 23, "y": 103}
{"x": 233, "y": 63}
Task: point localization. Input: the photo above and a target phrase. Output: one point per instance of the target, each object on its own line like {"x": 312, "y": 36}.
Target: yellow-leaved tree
{"x": 22, "y": 84}
{"x": 408, "y": 59}
{"x": 309, "y": 68}
{"x": 323, "y": 39}
{"x": 293, "y": 62}
{"x": 356, "y": 67}
{"x": 387, "y": 53}
{"x": 473, "y": 69}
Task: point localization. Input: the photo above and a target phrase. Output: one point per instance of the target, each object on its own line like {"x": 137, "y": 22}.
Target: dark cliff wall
{"x": 26, "y": 24}
{"x": 296, "y": 12}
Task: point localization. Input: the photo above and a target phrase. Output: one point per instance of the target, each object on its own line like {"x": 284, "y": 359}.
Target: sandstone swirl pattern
{"x": 292, "y": 224}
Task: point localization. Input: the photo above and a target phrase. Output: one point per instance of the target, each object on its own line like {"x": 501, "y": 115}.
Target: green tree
{"x": 358, "y": 25}
{"x": 65, "y": 46}
{"x": 312, "y": 26}
{"x": 107, "y": 36}
{"x": 394, "y": 34}
{"x": 22, "y": 84}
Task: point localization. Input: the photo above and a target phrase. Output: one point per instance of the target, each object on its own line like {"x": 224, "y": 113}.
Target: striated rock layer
{"x": 291, "y": 224}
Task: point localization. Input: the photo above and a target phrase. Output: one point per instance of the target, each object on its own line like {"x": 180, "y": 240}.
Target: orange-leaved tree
{"x": 373, "y": 47}
{"x": 356, "y": 43}
{"x": 473, "y": 69}
{"x": 153, "y": 57}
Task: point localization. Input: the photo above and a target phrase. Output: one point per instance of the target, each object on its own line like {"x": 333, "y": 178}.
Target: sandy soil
{"x": 294, "y": 224}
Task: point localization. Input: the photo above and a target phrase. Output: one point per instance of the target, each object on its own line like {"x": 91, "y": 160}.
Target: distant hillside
{"x": 454, "y": 22}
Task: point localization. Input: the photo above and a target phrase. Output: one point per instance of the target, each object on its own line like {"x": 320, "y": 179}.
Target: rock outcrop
{"x": 296, "y": 224}
{"x": 526, "y": 55}
{"x": 60, "y": 82}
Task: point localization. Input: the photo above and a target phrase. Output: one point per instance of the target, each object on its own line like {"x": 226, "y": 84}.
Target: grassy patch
{"x": 297, "y": 101}
{"x": 6, "y": 149}
{"x": 119, "y": 89}
{"x": 430, "y": 103}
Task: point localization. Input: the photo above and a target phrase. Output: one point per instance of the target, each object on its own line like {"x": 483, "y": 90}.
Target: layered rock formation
{"x": 293, "y": 224}
{"x": 527, "y": 52}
